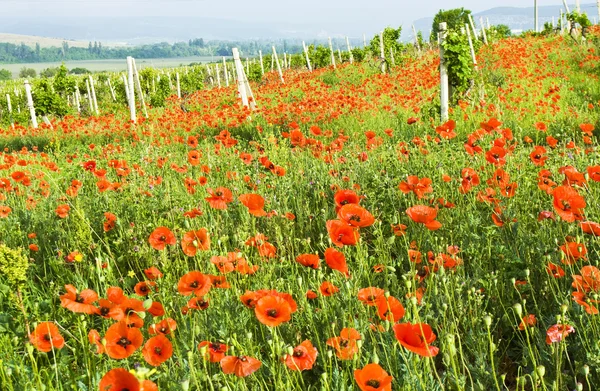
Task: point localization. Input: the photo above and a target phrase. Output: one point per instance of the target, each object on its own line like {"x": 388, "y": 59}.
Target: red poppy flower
{"x": 389, "y": 308}
{"x": 165, "y": 327}
{"x": 309, "y": 260}
{"x": 557, "y": 332}
{"x": 214, "y": 351}
{"x": 587, "y": 303}
{"x": 152, "y": 273}
{"x": 590, "y": 228}
{"x": 219, "y": 197}
{"x": 4, "y": 211}
{"x": 79, "y": 302}
{"x": 194, "y": 282}
{"x": 568, "y": 203}
{"x": 356, "y": 216}
{"x": 255, "y": 204}
{"x": 119, "y": 379}
{"x": 373, "y": 378}
{"x": 46, "y": 337}
{"x": 345, "y": 344}
{"x": 94, "y": 338}
{"x": 336, "y": 260}
{"x": 588, "y": 280}
{"x": 241, "y": 366}
{"x": 418, "y": 186}
{"x": 62, "y": 211}
{"x": 344, "y": 197}
{"x": 157, "y": 350}
{"x": 144, "y": 288}
{"x": 417, "y": 338}
{"x": 424, "y": 215}
{"x": 272, "y": 310}
{"x": 573, "y": 252}
{"x": 122, "y": 341}
{"x": 128, "y": 311}
{"x": 370, "y": 295}
{"x": 328, "y": 289}
{"x": 594, "y": 173}
{"x": 341, "y": 233}
{"x": 555, "y": 270}
{"x": 446, "y": 130}
{"x": 303, "y": 357}
{"x": 528, "y": 321}
{"x": 195, "y": 240}
{"x": 160, "y": 237}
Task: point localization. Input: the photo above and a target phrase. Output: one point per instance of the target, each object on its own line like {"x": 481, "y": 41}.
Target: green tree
{"x": 49, "y": 72}
{"x": 454, "y": 18}
{"x": 27, "y": 73}
{"x": 79, "y": 71}
{"x": 5, "y": 74}
{"x": 501, "y": 31}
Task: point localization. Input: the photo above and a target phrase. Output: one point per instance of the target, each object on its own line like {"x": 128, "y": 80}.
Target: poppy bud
{"x": 375, "y": 358}
{"x": 487, "y": 320}
{"x": 290, "y": 351}
{"x": 185, "y": 385}
{"x": 324, "y": 374}
{"x": 203, "y": 350}
{"x": 527, "y": 272}
{"x": 249, "y": 335}
{"x": 540, "y": 370}
{"x": 579, "y": 387}
{"x": 329, "y": 355}
{"x": 299, "y": 279}
{"x": 586, "y": 370}
{"x": 408, "y": 284}
{"x": 413, "y": 300}
{"x": 518, "y": 309}
{"x": 563, "y": 309}
{"x": 186, "y": 223}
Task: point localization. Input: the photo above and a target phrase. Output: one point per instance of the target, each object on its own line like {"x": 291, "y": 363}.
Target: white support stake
{"x": 332, "y": 55}
{"x": 483, "y": 30}
{"x": 393, "y": 61}
{"x": 382, "y": 52}
{"x": 225, "y": 72}
{"x": 262, "y": 66}
{"x": 468, "y": 30}
{"x": 112, "y": 91}
{"x": 139, "y": 88}
{"x": 349, "y": 51}
{"x": 243, "y": 84}
{"x": 94, "y": 95}
{"x": 364, "y": 41}
{"x": 416, "y": 38}
{"x": 476, "y": 36}
{"x": 132, "y": 115}
{"x": 77, "y": 100}
{"x": 89, "y": 95}
{"x": 535, "y": 16}
{"x": 306, "y": 55}
{"x": 126, "y": 87}
{"x": 178, "y": 85}
{"x": 278, "y": 64}
{"x": 566, "y": 6}
{"x": 577, "y": 6}
{"x": 218, "y": 75}
{"x": 30, "y": 104}
{"x": 443, "y": 75}
{"x": 12, "y": 124}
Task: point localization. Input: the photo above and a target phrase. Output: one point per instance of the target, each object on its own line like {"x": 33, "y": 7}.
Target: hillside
{"x": 45, "y": 42}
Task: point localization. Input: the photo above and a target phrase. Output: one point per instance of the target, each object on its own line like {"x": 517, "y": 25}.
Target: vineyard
{"x": 334, "y": 233}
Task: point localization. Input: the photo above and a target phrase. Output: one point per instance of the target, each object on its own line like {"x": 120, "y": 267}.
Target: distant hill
{"x": 517, "y": 18}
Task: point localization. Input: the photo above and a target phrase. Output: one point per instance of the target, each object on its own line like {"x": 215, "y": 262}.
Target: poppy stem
{"x": 22, "y": 307}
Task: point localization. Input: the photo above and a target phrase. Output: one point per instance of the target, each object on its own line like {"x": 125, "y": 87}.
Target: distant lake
{"x": 112, "y": 65}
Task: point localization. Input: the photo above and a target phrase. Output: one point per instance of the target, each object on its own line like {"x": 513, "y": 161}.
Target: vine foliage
{"x": 458, "y": 61}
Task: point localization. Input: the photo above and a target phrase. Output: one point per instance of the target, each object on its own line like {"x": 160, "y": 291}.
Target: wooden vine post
{"x": 443, "y": 74}
{"x": 381, "y": 49}
{"x": 483, "y": 31}
{"x": 349, "y": 50}
{"x": 468, "y": 30}
{"x": 129, "y": 87}
{"x": 243, "y": 84}
{"x": 12, "y": 124}
{"x": 535, "y": 16}
{"x": 473, "y": 26}
{"x": 262, "y": 66}
{"x": 416, "y": 38}
{"x": 89, "y": 95}
{"x": 218, "y": 75}
{"x": 278, "y": 65}
{"x": 225, "y": 72}
{"x": 77, "y": 102}
{"x": 95, "y": 102}
{"x": 306, "y": 55}
{"x": 30, "y": 104}
{"x": 332, "y": 55}
{"x": 139, "y": 88}
{"x": 178, "y": 85}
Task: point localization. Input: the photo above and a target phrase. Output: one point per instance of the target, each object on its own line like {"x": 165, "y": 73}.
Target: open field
{"x": 109, "y": 65}
{"x": 341, "y": 237}
{"x": 45, "y": 42}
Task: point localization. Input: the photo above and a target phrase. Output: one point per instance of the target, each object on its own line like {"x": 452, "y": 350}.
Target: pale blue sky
{"x": 263, "y": 10}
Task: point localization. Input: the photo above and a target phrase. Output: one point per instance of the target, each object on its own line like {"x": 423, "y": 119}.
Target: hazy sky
{"x": 384, "y": 11}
